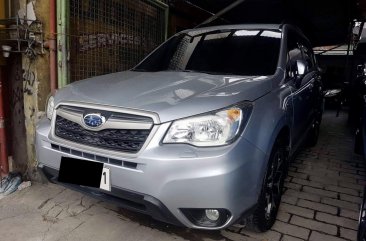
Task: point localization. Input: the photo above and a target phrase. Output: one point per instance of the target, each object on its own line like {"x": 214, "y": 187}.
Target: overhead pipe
{"x": 53, "y": 47}
{"x": 220, "y": 13}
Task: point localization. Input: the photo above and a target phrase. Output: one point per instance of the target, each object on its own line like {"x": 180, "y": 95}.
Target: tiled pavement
{"x": 321, "y": 203}
{"x": 323, "y": 189}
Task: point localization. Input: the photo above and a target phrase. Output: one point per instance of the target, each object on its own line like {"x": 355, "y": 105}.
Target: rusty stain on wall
{"x": 17, "y": 124}
{"x": 35, "y": 86}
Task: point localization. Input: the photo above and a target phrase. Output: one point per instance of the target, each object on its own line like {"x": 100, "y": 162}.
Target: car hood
{"x": 172, "y": 95}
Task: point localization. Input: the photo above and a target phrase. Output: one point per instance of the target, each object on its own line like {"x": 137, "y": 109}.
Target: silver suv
{"x": 199, "y": 134}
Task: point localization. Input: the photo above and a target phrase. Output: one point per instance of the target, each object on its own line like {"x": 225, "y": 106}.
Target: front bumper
{"x": 172, "y": 177}
{"x": 124, "y": 198}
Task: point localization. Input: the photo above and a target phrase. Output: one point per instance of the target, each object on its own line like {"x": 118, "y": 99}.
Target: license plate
{"x": 84, "y": 173}
{"x": 105, "y": 182}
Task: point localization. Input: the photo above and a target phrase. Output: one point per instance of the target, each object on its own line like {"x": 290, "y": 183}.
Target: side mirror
{"x": 301, "y": 68}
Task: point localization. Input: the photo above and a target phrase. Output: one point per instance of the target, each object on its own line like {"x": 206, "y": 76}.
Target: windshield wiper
{"x": 143, "y": 70}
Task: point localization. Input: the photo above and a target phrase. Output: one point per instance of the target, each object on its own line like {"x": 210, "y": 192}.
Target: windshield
{"x": 238, "y": 52}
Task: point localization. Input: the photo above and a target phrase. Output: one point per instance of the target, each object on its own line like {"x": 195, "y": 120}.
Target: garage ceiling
{"x": 325, "y": 22}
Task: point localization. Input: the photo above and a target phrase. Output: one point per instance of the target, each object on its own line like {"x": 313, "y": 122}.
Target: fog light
{"x": 212, "y": 214}
{"x": 207, "y": 217}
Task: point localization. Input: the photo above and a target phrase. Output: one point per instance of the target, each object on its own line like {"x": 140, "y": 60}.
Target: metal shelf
{"x": 23, "y": 35}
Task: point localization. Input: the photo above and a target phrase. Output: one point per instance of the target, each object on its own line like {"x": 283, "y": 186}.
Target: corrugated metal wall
{"x": 112, "y": 35}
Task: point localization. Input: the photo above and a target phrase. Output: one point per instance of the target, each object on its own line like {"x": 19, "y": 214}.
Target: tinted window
{"x": 308, "y": 57}
{"x": 242, "y": 52}
{"x": 298, "y": 49}
{"x": 294, "y": 53}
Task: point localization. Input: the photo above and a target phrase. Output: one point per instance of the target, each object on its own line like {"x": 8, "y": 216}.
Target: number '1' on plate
{"x": 105, "y": 182}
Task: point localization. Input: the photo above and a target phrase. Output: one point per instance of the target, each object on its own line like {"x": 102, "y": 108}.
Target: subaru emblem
{"x": 94, "y": 120}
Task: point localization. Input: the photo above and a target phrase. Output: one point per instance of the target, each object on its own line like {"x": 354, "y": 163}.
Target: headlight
{"x": 50, "y": 107}
{"x": 212, "y": 129}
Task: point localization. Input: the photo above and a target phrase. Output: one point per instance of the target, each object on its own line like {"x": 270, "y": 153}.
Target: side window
{"x": 294, "y": 53}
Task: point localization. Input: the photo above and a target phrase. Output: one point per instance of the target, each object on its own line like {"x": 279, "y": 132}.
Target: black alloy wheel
{"x": 274, "y": 185}
{"x": 269, "y": 201}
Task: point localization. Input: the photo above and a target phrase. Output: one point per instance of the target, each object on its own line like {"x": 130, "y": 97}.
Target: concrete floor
{"x": 321, "y": 202}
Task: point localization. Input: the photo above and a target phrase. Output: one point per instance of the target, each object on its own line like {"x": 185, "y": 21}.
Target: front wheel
{"x": 269, "y": 201}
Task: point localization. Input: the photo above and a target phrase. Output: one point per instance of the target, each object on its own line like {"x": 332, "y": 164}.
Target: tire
{"x": 313, "y": 135}
{"x": 269, "y": 201}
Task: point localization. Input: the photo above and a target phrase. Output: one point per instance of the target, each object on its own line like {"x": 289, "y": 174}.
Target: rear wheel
{"x": 269, "y": 201}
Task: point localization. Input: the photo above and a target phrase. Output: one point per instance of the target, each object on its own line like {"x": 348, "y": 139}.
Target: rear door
{"x": 301, "y": 88}
{"x": 316, "y": 83}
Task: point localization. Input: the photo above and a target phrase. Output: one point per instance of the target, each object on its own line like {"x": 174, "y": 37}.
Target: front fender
{"x": 270, "y": 115}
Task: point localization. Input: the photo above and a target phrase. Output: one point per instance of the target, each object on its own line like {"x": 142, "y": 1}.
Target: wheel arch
{"x": 283, "y": 132}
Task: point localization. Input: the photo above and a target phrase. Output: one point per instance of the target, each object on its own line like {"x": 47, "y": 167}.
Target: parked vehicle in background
{"x": 361, "y": 232}
{"x": 360, "y": 143}
{"x": 360, "y": 113}
{"x": 198, "y": 134}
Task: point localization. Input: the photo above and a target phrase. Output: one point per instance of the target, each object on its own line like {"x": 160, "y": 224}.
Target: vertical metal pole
{"x": 352, "y": 24}
{"x": 53, "y": 49}
{"x": 361, "y": 30}
{"x": 62, "y": 42}
{"x": 4, "y": 164}
{"x": 166, "y": 10}
{"x": 9, "y": 9}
